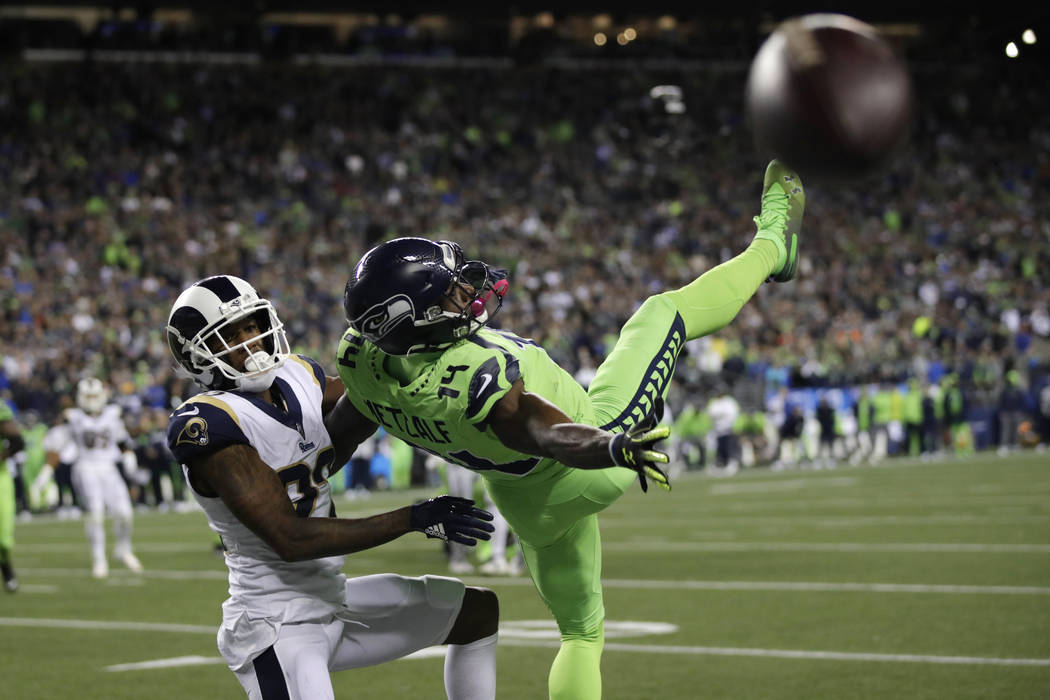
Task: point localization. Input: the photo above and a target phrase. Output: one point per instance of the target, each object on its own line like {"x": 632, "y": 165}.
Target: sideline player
{"x": 11, "y": 442}
{"x": 257, "y": 456}
{"x": 101, "y": 440}
{"x": 419, "y": 360}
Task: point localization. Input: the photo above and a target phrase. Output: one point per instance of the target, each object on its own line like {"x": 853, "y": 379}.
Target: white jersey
{"x": 97, "y": 438}
{"x": 59, "y": 440}
{"x": 295, "y": 444}
{"x": 724, "y": 410}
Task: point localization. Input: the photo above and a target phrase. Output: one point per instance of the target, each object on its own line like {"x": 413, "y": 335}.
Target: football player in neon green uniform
{"x": 419, "y": 361}
{"x": 11, "y": 443}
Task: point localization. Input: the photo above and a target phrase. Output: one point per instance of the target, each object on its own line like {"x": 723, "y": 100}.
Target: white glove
{"x": 130, "y": 462}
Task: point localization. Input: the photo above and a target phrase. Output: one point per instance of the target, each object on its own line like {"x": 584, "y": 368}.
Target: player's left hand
{"x": 452, "y": 519}
{"x": 634, "y": 450}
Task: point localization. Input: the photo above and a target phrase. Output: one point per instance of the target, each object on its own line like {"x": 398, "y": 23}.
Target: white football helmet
{"x": 196, "y": 324}
{"x": 91, "y": 395}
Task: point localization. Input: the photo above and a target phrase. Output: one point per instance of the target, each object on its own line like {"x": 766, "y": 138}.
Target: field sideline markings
{"x": 825, "y": 586}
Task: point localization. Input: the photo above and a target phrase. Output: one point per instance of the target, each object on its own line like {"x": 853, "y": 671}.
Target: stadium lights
{"x": 666, "y": 23}
{"x": 1028, "y": 37}
{"x": 1011, "y": 50}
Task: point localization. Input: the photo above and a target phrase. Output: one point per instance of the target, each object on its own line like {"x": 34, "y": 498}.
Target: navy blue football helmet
{"x": 394, "y": 296}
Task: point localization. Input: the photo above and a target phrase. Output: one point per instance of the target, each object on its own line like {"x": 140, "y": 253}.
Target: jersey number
{"x": 95, "y": 440}
{"x": 306, "y": 481}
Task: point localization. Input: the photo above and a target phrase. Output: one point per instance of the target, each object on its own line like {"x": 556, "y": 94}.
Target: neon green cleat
{"x": 780, "y": 221}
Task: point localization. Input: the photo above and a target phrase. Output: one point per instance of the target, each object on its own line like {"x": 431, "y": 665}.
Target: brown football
{"x": 828, "y": 96}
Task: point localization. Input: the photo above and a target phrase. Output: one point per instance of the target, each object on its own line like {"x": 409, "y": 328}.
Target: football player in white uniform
{"x": 257, "y": 455}
{"x": 97, "y": 433}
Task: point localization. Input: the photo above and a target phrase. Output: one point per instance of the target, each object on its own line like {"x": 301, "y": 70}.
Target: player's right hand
{"x": 634, "y": 450}
{"x": 452, "y": 519}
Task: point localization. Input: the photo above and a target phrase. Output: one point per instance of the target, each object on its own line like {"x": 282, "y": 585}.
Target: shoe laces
{"x": 774, "y": 213}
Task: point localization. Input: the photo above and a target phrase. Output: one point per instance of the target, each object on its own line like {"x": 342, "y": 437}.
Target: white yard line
{"x": 640, "y": 545}
{"x": 802, "y": 654}
{"x": 510, "y": 641}
{"x": 159, "y": 547}
{"x": 827, "y": 586}
{"x": 149, "y": 573}
{"x": 811, "y": 520}
{"x": 106, "y": 625}
{"x": 167, "y": 663}
{"x": 435, "y": 652}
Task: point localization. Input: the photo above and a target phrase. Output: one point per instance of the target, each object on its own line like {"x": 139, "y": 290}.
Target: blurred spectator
{"x": 1011, "y": 412}
{"x": 827, "y": 419}
{"x": 724, "y": 410}
{"x": 120, "y": 182}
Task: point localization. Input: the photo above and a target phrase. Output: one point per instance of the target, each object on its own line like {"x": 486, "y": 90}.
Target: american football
{"x": 829, "y": 96}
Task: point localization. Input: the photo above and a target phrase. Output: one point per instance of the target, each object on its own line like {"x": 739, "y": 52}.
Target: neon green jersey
{"x": 444, "y": 406}
{"x": 5, "y": 414}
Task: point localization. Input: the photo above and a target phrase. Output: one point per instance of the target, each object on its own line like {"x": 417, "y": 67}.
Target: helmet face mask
{"x": 91, "y": 395}
{"x": 204, "y": 319}
{"x": 406, "y": 295}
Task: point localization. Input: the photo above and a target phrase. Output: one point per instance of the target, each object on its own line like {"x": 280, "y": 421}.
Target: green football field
{"x": 902, "y": 581}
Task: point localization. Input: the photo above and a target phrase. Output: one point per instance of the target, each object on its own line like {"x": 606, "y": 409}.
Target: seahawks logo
{"x": 381, "y": 318}
{"x": 195, "y": 432}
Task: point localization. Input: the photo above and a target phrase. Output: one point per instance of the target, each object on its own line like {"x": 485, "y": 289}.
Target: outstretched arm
{"x": 533, "y": 425}
{"x": 255, "y": 495}
{"x": 530, "y": 424}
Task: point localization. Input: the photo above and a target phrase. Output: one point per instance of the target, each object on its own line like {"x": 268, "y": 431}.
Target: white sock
{"x": 96, "y": 536}
{"x": 470, "y": 670}
{"x": 121, "y": 536}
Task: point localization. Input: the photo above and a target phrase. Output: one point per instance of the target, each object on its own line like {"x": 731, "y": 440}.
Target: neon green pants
{"x": 7, "y": 508}
{"x": 556, "y": 518}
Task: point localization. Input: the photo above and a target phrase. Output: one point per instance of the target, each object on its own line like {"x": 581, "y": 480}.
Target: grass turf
{"x": 906, "y": 580}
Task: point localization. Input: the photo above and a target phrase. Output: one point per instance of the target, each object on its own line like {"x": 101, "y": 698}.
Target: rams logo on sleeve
{"x": 195, "y": 432}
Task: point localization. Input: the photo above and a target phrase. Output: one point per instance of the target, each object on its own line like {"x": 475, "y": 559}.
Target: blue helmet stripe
{"x": 221, "y": 286}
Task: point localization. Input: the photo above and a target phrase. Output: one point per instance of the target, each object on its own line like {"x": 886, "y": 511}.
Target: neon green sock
{"x": 710, "y": 302}
{"x": 576, "y": 671}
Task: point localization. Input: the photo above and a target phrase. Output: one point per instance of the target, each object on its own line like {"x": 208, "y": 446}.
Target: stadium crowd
{"x": 120, "y": 182}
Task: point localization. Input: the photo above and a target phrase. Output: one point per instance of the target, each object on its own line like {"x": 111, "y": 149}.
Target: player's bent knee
{"x": 442, "y": 591}
{"x": 478, "y": 617}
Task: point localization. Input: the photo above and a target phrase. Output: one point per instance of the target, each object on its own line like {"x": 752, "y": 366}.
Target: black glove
{"x": 451, "y": 519}
{"x": 634, "y": 450}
